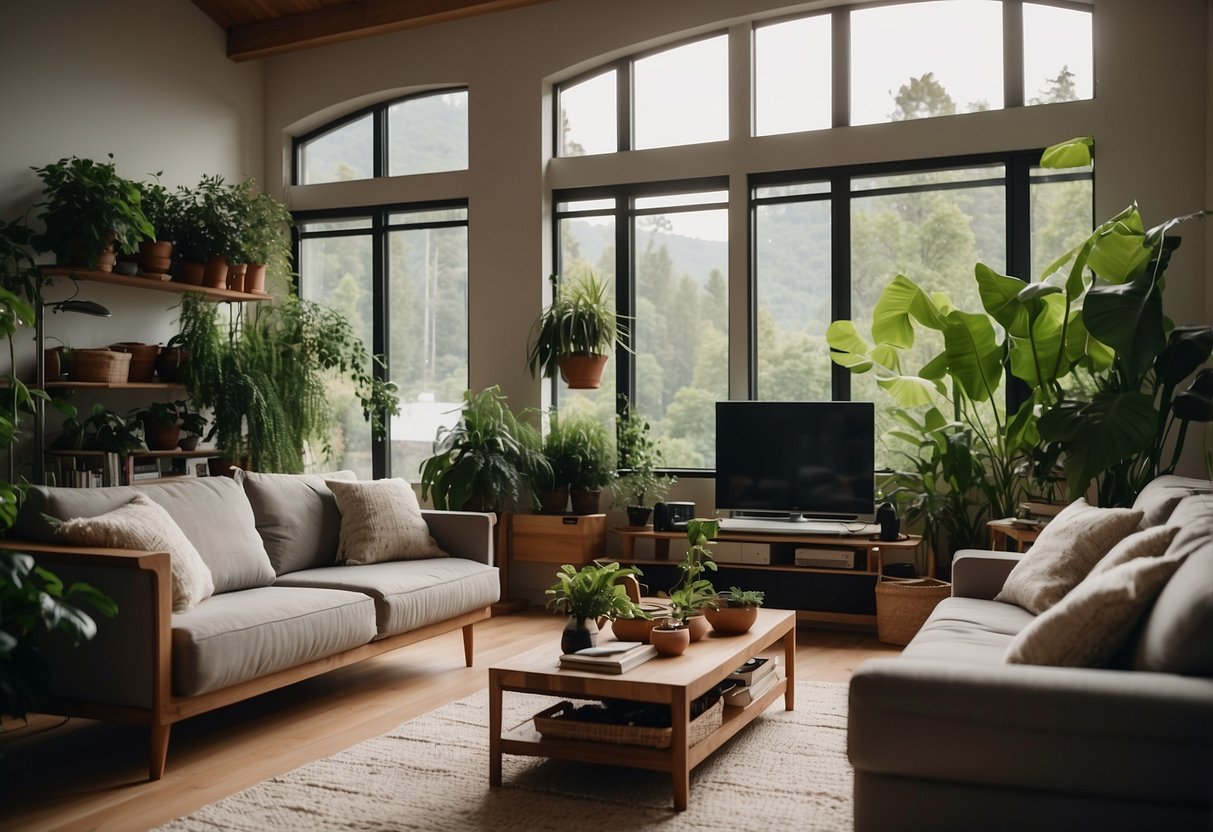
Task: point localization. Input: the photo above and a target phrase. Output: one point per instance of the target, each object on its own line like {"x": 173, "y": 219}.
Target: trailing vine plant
{"x": 265, "y": 373}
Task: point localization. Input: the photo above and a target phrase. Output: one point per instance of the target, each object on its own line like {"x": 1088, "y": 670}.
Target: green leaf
{"x": 911, "y": 391}
{"x": 1035, "y": 360}
{"x": 902, "y": 302}
{"x": 1128, "y": 318}
{"x": 974, "y": 357}
{"x": 847, "y": 347}
{"x": 1072, "y": 153}
{"x": 1121, "y": 252}
{"x": 1100, "y": 433}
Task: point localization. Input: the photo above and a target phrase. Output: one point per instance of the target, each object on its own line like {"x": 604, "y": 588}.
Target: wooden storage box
{"x": 559, "y": 538}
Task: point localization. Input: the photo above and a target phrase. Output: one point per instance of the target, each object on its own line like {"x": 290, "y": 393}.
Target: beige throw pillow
{"x": 145, "y": 525}
{"x": 1088, "y": 626}
{"x": 1149, "y": 543}
{"x": 381, "y": 521}
{"x": 1067, "y": 548}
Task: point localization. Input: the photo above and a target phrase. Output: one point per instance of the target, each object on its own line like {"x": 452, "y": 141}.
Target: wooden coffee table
{"x": 672, "y": 681}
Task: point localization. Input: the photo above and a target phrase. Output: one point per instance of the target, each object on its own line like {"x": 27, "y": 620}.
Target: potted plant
{"x": 103, "y": 430}
{"x": 588, "y": 594}
{"x": 591, "y": 461}
{"x": 735, "y": 611}
{"x": 209, "y": 235}
{"x": 639, "y": 458}
{"x": 163, "y": 212}
{"x": 170, "y": 361}
{"x": 549, "y": 484}
{"x": 193, "y": 425}
{"x": 266, "y": 241}
{"x": 90, "y": 212}
{"x": 481, "y": 463}
{"x": 576, "y": 333}
{"x": 161, "y": 424}
{"x": 693, "y": 593}
{"x": 265, "y": 377}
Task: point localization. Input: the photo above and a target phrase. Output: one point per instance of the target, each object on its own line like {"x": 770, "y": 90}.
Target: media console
{"x": 767, "y": 562}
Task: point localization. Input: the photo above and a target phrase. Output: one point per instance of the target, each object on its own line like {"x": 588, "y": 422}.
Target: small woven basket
{"x": 101, "y": 365}
{"x": 551, "y": 723}
{"x": 903, "y": 605}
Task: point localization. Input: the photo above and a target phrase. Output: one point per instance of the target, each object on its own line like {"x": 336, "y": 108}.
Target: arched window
{"x": 398, "y": 269}
{"x": 820, "y": 238}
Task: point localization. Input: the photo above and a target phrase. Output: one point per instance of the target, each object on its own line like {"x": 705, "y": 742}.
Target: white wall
{"x": 146, "y": 80}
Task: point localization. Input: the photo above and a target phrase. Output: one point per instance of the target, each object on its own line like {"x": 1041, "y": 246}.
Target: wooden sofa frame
{"x": 167, "y": 708}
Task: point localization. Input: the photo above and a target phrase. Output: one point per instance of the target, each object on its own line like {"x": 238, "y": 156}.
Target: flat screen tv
{"x": 796, "y": 460}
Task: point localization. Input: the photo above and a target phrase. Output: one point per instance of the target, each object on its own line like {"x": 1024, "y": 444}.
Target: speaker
{"x": 672, "y": 517}
{"x": 890, "y": 525}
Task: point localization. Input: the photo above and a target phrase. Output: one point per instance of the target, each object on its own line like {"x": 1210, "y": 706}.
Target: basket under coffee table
{"x": 671, "y": 681}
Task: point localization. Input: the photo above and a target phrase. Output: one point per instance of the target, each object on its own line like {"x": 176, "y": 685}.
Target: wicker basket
{"x": 100, "y": 365}
{"x": 903, "y": 605}
{"x": 551, "y": 723}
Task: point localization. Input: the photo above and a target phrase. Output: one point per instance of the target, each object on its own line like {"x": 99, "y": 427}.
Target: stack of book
{"x": 144, "y": 470}
{"x": 754, "y": 678}
{"x": 1039, "y": 510}
{"x": 612, "y": 657}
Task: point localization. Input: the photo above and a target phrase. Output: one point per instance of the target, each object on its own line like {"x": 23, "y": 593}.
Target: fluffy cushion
{"x": 381, "y": 521}
{"x": 144, "y": 525}
{"x": 1088, "y": 626}
{"x": 1067, "y": 548}
{"x": 1149, "y": 543}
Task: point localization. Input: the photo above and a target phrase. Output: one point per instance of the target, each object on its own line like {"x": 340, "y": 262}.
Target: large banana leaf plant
{"x": 1095, "y": 313}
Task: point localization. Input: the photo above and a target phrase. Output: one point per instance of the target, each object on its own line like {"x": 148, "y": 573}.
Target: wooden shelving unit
{"x": 106, "y": 385}
{"x": 155, "y": 283}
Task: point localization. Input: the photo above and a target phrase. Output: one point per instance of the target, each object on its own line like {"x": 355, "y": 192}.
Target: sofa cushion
{"x": 1147, "y": 543}
{"x": 296, "y": 516}
{"x": 381, "y": 521}
{"x": 244, "y": 635}
{"x": 212, "y": 511}
{"x": 1064, "y": 553}
{"x": 1089, "y": 625}
{"x": 969, "y": 630}
{"x": 142, "y": 524}
{"x": 1162, "y": 494}
{"x": 412, "y": 593}
{"x": 1178, "y": 634}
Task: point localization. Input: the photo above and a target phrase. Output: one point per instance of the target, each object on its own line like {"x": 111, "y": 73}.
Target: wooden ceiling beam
{"x": 348, "y": 21}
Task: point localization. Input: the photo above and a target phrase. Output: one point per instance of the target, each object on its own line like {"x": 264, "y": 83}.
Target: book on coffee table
{"x": 593, "y": 659}
{"x": 744, "y": 695}
{"x": 752, "y": 670}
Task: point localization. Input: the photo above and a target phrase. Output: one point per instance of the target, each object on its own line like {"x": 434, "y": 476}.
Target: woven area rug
{"x": 784, "y": 771}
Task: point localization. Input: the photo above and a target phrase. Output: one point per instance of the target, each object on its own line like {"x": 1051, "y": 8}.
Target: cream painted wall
{"x": 146, "y": 80}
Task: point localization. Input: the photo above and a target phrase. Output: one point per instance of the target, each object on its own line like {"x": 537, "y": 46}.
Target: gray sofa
{"x": 283, "y": 609}
{"x": 949, "y": 736}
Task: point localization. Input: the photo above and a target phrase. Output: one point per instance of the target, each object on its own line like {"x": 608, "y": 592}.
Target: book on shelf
{"x": 1042, "y": 510}
{"x": 746, "y": 694}
{"x": 753, "y": 670}
{"x": 610, "y": 660}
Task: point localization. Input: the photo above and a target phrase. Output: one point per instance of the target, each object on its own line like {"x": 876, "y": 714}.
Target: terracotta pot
{"x": 170, "y": 364}
{"x": 582, "y": 372}
{"x": 554, "y": 500}
{"x": 214, "y": 275}
{"x": 155, "y": 258}
{"x": 189, "y": 442}
{"x": 698, "y": 626}
{"x": 670, "y": 642}
{"x": 254, "y": 279}
{"x": 161, "y": 437}
{"x": 80, "y": 256}
{"x": 143, "y": 359}
{"x": 638, "y": 629}
{"x": 586, "y": 501}
{"x": 235, "y": 277}
{"x": 732, "y": 621}
{"x": 190, "y": 271}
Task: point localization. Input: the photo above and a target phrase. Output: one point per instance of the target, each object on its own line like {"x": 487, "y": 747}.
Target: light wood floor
{"x": 86, "y": 775}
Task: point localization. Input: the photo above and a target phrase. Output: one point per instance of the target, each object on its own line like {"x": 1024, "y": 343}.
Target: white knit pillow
{"x": 1148, "y": 543}
{"x": 1088, "y": 626}
{"x": 381, "y": 521}
{"x": 143, "y": 524}
{"x": 1067, "y": 548}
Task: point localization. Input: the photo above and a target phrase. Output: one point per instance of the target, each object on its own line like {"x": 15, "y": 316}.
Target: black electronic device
{"x": 890, "y": 525}
{"x": 796, "y": 460}
{"x": 672, "y": 517}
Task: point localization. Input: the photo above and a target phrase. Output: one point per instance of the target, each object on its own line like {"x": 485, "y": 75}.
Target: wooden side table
{"x": 1002, "y": 531}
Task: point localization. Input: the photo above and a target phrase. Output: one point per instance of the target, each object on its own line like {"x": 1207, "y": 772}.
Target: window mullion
{"x": 840, "y": 51}
{"x": 625, "y": 294}
{"x": 840, "y": 271}
{"x": 623, "y": 106}
{"x": 1012, "y": 53}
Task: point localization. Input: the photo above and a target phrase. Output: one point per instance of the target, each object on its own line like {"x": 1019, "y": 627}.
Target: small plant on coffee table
{"x": 588, "y": 594}
{"x": 735, "y": 611}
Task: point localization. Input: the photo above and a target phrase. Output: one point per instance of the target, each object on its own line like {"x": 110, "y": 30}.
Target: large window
{"x": 398, "y": 272}
{"x": 821, "y": 242}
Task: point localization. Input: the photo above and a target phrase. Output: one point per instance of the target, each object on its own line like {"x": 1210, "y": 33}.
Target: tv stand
{"x": 798, "y": 525}
{"x": 822, "y": 595}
